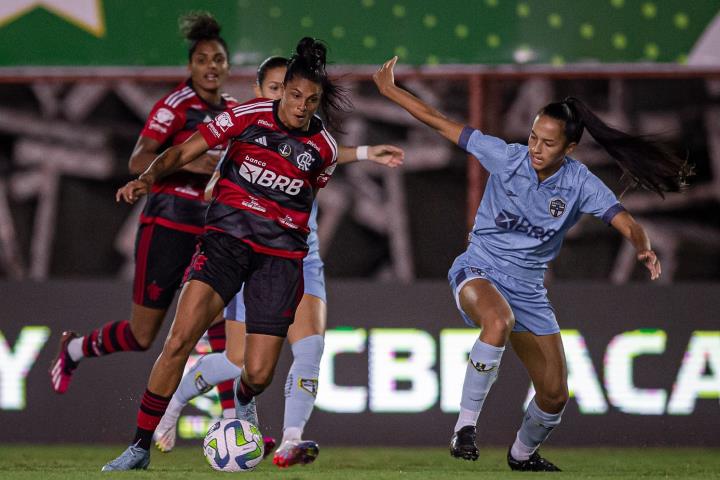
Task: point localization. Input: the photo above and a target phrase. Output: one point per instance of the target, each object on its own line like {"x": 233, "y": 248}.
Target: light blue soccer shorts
{"x": 314, "y": 280}
{"x": 528, "y": 300}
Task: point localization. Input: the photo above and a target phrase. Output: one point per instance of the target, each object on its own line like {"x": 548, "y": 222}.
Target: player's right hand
{"x": 385, "y": 78}
{"x": 133, "y": 190}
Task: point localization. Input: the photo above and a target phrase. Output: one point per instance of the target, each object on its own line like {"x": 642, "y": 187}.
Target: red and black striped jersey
{"x": 269, "y": 177}
{"x": 176, "y": 201}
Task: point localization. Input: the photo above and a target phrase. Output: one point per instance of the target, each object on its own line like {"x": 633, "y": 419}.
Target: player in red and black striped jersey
{"x": 256, "y": 230}
{"x": 174, "y": 213}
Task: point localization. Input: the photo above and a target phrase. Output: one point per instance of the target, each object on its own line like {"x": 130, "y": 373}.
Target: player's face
{"x": 548, "y": 145}
{"x": 272, "y": 85}
{"x": 209, "y": 66}
{"x": 299, "y": 102}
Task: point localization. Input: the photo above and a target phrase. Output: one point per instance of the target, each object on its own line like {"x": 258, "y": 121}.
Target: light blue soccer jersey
{"x": 521, "y": 222}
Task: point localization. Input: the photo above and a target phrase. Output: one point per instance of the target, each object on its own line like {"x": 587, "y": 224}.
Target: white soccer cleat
{"x": 166, "y": 433}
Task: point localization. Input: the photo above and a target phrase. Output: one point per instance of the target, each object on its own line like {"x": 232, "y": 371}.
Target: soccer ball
{"x": 233, "y": 445}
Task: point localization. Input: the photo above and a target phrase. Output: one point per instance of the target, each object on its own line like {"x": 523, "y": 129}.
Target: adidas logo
{"x": 262, "y": 141}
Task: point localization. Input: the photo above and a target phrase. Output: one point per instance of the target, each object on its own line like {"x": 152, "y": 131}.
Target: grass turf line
{"x": 53, "y": 462}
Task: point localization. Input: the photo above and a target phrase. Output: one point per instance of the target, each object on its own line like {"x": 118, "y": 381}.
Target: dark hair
{"x": 198, "y": 27}
{"x": 309, "y": 62}
{"x": 645, "y": 162}
{"x": 268, "y": 64}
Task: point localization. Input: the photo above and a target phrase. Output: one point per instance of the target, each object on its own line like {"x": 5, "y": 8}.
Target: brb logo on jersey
{"x": 511, "y": 221}
{"x": 267, "y": 178}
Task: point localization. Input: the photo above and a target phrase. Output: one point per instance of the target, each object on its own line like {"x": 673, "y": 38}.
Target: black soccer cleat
{"x": 535, "y": 463}
{"x": 462, "y": 444}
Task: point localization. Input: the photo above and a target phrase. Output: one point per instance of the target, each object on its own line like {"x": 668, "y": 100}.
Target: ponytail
{"x": 309, "y": 62}
{"x": 645, "y": 163}
{"x": 197, "y": 27}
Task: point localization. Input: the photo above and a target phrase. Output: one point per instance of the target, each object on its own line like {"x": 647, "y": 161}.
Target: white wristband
{"x": 361, "y": 152}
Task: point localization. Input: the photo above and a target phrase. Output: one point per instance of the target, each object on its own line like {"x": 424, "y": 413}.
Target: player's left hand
{"x": 388, "y": 155}
{"x": 651, "y": 262}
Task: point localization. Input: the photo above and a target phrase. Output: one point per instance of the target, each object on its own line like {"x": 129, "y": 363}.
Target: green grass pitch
{"x": 54, "y": 462}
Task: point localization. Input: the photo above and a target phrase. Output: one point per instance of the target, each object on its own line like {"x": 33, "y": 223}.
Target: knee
{"x": 258, "y": 377}
{"x": 498, "y": 323}
{"x": 552, "y": 401}
{"x": 177, "y": 346}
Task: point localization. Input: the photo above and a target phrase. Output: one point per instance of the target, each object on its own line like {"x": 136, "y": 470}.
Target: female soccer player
{"x": 306, "y": 334}
{"x": 174, "y": 213}
{"x": 535, "y": 193}
{"x": 255, "y": 231}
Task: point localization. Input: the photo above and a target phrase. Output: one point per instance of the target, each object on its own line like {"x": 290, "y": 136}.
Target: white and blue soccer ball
{"x": 233, "y": 445}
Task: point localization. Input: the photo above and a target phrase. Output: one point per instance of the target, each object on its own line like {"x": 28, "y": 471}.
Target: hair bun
{"x": 196, "y": 26}
{"x": 313, "y": 52}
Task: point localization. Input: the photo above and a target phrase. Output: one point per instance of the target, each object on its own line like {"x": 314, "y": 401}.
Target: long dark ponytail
{"x": 645, "y": 163}
{"x": 309, "y": 61}
{"x": 197, "y": 27}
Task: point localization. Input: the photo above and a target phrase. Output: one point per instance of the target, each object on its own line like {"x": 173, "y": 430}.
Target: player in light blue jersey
{"x": 534, "y": 194}
{"x": 306, "y": 335}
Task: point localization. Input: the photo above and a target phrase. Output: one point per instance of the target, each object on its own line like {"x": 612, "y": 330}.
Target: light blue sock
{"x": 480, "y": 374}
{"x": 535, "y": 429}
{"x": 302, "y": 383}
{"x": 209, "y": 370}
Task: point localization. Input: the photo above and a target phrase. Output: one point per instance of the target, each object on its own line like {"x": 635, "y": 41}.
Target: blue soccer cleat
{"x": 247, "y": 412}
{"x": 133, "y": 458}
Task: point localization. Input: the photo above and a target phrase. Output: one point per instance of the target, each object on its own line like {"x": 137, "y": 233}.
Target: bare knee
{"x": 177, "y": 347}
{"x": 552, "y": 401}
{"x": 235, "y": 355}
{"x": 258, "y": 377}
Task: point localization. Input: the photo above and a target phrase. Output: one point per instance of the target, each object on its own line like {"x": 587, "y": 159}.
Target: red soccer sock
{"x": 110, "y": 338}
{"x": 152, "y": 408}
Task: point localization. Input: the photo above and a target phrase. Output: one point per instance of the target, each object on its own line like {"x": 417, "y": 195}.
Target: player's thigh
{"x": 198, "y": 305}
{"x": 235, "y": 345}
{"x": 145, "y": 323}
{"x": 310, "y": 319}
{"x": 487, "y": 308}
{"x": 544, "y": 358}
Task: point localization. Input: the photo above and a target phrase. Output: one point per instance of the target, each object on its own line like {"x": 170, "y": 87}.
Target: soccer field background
{"x": 26, "y": 462}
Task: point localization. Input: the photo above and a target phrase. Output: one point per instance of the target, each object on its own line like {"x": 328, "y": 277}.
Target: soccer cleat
{"x": 166, "y": 433}
{"x": 462, "y": 444}
{"x": 269, "y": 446}
{"x": 133, "y": 458}
{"x": 294, "y": 452}
{"x": 535, "y": 463}
{"x": 247, "y": 412}
{"x": 62, "y": 367}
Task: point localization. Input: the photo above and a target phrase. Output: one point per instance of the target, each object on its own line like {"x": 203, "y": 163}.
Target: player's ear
{"x": 256, "y": 89}
{"x": 570, "y": 147}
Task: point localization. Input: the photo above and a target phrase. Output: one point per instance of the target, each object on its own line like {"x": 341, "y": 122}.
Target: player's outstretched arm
{"x": 636, "y": 234}
{"x": 166, "y": 163}
{"x": 385, "y": 80}
{"x": 388, "y": 155}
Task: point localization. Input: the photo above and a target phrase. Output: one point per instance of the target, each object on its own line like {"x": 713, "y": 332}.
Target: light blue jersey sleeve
{"x": 598, "y": 200}
{"x": 491, "y": 151}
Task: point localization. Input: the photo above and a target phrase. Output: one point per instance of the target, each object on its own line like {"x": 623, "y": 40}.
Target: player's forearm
{"x": 638, "y": 237}
{"x": 164, "y": 164}
{"x": 140, "y": 161}
{"x": 424, "y": 112}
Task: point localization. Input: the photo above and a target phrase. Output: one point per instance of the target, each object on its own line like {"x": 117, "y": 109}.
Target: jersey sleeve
{"x": 491, "y": 151}
{"x": 329, "y": 154}
{"x": 598, "y": 200}
{"x": 162, "y": 122}
{"x": 223, "y": 127}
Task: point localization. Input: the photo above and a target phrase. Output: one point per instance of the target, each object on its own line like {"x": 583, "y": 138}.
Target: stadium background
{"x": 77, "y": 79}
